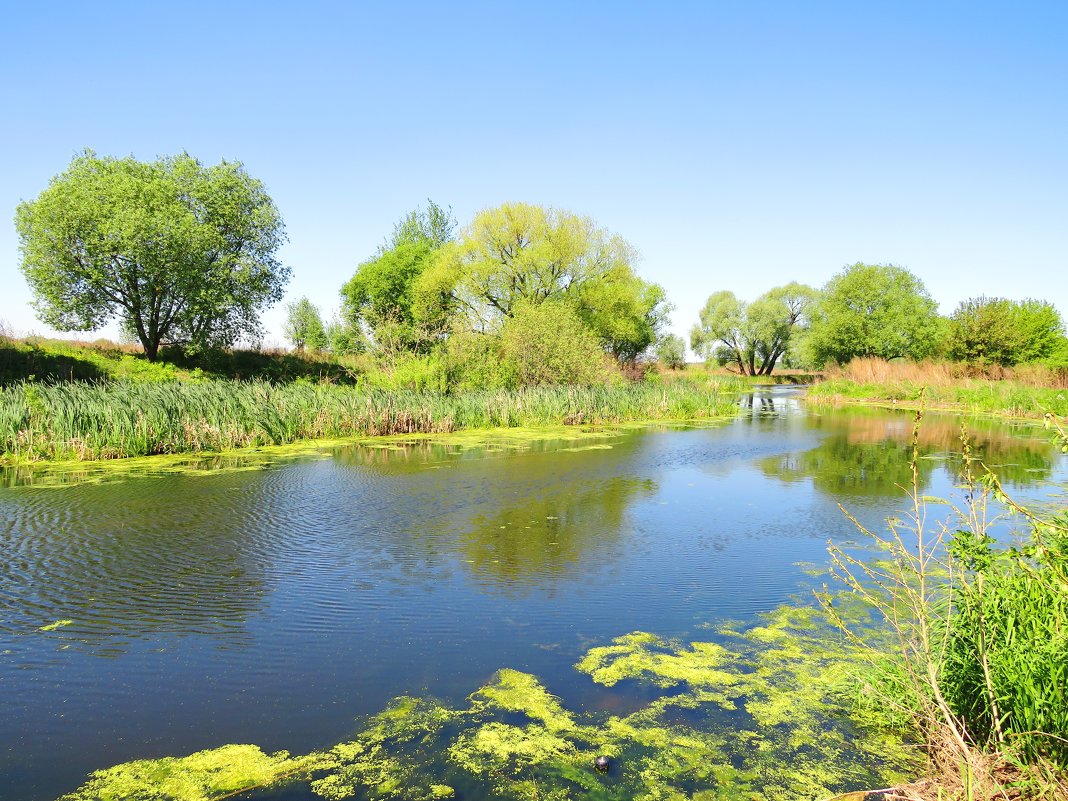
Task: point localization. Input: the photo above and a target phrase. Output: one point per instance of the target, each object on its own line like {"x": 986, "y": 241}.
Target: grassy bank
{"x": 82, "y": 420}
{"x": 1029, "y": 392}
{"x": 973, "y": 642}
{"x": 60, "y": 360}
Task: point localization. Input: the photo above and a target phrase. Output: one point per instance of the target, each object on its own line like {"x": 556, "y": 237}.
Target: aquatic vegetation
{"x": 56, "y": 625}
{"x": 88, "y": 421}
{"x": 797, "y": 731}
{"x": 382, "y": 760}
{"x": 69, "y": 473}
{"x": 1005, "y": 398}
{"x": 644, "y": 656}
{"x": 765, "y": 713}
{"x": 203, "y": 776}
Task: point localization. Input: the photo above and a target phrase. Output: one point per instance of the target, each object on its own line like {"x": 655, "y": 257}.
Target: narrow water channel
{"x": 165, "y": 614}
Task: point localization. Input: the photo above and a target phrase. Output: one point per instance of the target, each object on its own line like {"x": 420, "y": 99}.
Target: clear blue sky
{"x": 737, "y": 145}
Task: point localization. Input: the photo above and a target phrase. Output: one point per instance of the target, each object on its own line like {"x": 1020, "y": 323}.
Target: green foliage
{"x": 976, "y": 396}
{"x": 382, "y": 293}
{"x": 343, "y": 339}
{"x": 411, "y": 372}
{"x": 473, "y": 361}
{"x": 548, "y": 344}
{"x": 435, "y": 226}
{"x": 1006, "y": 663}
{"x": 753, "y": 336}
{"x": 624, "y": 312}
{"x": 975, "y": 649}
{"x": 179, "y": 252}
{"x": 873, "y": 310}
{"x": 671, "y": 352}
{"x": 999, "y": 331}
{"x": 304, "y": 326}
{"x": 523, "y": 255}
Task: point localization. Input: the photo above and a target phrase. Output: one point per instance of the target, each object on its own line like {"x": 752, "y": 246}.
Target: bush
{"x": 411, "y": 371}
{"x": 548, "y": 344}
{"x": 473, "y": 361}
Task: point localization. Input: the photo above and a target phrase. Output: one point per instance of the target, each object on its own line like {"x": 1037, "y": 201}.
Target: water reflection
{"x": 866, "y": 453}
{"x": 515, "y": 521}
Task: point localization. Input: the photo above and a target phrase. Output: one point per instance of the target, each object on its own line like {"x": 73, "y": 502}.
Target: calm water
{"x": 276, "y": 606}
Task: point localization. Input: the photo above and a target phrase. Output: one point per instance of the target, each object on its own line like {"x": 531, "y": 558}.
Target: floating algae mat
{"x": 772, "y": 712}
{"x": 484, "y": 442}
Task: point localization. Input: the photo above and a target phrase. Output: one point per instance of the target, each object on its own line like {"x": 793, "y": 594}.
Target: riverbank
{"x": 91, "y": 421}
{"x": 968, "y": 396}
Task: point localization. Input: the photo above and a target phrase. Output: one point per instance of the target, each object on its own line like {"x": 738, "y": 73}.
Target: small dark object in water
{"x": 602, "y": 764}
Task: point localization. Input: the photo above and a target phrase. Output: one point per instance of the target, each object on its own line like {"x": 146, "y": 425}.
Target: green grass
{"x": 58, "y": 360}
{"x": 83, "y": 420}
{"x": 975, "y": 396}
{"x": 976, "y": 651}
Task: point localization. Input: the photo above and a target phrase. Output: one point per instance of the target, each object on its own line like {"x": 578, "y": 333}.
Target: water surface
{"x": 276, "y": 606}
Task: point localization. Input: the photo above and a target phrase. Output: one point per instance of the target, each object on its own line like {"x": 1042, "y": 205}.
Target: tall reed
{"x": 114, "y": 420}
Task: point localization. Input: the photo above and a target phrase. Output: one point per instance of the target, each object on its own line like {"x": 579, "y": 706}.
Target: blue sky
{"x": 736, "y": 145}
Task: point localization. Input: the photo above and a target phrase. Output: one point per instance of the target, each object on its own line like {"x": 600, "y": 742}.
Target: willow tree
{"x": 178, "y": 252}
{"x": 522, "y": 255}
{"x": 754, "y": 336}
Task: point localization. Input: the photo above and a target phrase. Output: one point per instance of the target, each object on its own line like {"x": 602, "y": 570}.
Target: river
{"x": 163, "y": 614}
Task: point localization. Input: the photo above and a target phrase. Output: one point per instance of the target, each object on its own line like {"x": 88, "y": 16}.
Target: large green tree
{"x": 379, "y": 297}
{"x": 179, "y": 252}
{"x": 754, "y": 336}
{"x": 874, "y": 310}
{"x": 525, "y": 255}
{"x": 1005, "y": 332}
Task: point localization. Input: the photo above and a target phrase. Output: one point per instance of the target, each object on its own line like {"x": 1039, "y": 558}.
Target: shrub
{"x": 548, "y": 344}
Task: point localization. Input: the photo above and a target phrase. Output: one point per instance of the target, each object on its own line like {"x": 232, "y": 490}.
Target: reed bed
{"x": 868, "y": 370}
{"x": 79, "y": 420}
{"x": 1031, "y": 391}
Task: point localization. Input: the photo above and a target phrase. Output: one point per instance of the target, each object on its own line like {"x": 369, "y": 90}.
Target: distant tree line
{"x": 874, "y": 310}
{"x": 184, "y": 255}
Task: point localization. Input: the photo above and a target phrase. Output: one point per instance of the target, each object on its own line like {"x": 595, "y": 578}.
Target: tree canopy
{"x": 874, "y": 310}
{"x": 1005, "y": 332}
{"x": 381, "y": 295}
{"x": 520, "y": 254}
{"x": 179, "y": 252}
{"x": 754, "y": 336}
{"x": 671, "y": 351}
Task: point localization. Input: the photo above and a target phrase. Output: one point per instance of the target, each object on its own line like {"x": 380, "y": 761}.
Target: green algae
{"x": 203, "y": 776}
{"x": 766, "y": 713}
{"x": 383, "y": 760}
{"x": 56, "y": 625}
{"x": 76, "y": 472}
{"x": 514, "y": 691}
{"x": 646, "y": 657}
